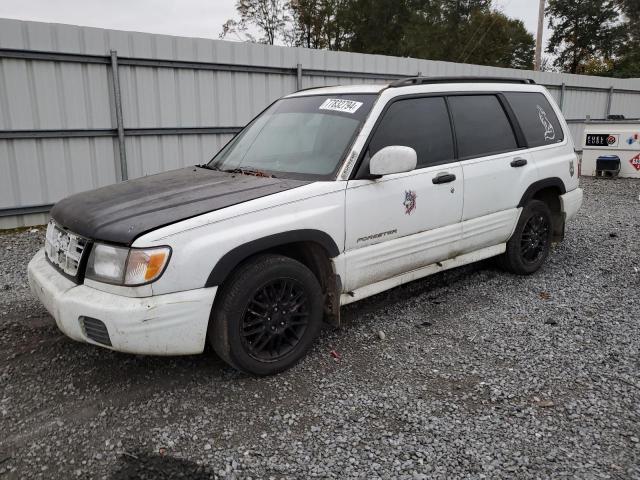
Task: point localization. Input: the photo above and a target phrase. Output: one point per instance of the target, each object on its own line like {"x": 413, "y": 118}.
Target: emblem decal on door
{"x": 549, "y": 131}
{"x": 409, "y": 201}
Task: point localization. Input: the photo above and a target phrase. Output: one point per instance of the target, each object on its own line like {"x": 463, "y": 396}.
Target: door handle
{"x": 518, "y": 162}
{"x": 443, "y": 178}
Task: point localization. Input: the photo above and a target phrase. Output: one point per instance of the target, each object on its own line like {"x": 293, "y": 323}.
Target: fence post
{"x": 563, "y": 89}
{"x": 121, "y": 167}
{"x": 609, "y": 100}
{"x": 299, "y": 76}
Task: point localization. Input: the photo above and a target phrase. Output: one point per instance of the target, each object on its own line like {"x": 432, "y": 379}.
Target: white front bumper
{"x": 571, "y": 203}
{"x": 170, "y": 324}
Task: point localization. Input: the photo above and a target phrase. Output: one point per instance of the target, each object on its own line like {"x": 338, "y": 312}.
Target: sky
{"x": 193, "y": 18}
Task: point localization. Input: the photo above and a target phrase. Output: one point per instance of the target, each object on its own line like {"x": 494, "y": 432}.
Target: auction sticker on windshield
{"x": 340, "y": 105}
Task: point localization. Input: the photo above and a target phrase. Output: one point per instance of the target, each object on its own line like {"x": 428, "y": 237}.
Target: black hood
{"x": 122, "y": 212}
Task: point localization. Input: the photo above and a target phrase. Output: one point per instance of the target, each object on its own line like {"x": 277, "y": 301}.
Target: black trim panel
{"x": 232, "y": 258}
{"x": 535, "y": 187}
{"x": 513, "y": 120}
{"x": 453, "y": 129}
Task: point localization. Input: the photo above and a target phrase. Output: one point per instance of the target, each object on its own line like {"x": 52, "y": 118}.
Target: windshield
{"x": 299, "y": 137}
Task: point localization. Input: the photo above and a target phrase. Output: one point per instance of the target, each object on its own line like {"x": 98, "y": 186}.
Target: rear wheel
{"x": 267, "y": 316}
{"x": 529, "y": 246}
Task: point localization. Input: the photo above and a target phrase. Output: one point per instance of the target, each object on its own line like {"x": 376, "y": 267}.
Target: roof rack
{"x": 314, "y": 88}
{"x": 405, "y": 82}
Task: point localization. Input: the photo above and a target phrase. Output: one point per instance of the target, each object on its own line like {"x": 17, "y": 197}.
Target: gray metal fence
{"x": 83, "y": 107}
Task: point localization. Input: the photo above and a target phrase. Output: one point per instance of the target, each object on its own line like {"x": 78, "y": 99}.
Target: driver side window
{"x": 420, "y": 123}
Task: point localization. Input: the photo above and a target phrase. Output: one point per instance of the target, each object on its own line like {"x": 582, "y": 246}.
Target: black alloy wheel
{"x": 534, "y": 238}
{"x": 266, "y": 315}
{"x": 275, "y": 319}
{"x": 529, "y": 246}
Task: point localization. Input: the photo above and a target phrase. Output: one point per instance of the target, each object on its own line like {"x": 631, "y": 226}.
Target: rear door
{"x": 496, "y": 165}
{"x": 551, "y": 151}
{"x": 407, "y": 220}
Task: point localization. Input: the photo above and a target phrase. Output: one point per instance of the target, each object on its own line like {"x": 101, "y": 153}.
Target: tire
{"x": 267, "y": 316}
{"x": 529, "y": 246}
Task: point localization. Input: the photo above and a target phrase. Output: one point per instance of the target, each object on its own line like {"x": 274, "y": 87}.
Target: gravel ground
{"x": 478, "y": 374}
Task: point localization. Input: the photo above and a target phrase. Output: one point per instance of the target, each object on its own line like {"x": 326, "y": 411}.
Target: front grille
{"x": 64, "y": 249}
{"x": 95, "y": 330}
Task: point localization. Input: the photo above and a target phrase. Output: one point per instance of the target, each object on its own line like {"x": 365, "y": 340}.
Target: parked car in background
{"x": 328, "y": 196}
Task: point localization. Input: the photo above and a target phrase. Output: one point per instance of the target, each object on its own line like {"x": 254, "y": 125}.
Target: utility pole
{"x": 538, "y": 60}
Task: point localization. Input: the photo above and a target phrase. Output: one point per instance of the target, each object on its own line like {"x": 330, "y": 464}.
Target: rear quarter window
{"x": 537, "y": 118}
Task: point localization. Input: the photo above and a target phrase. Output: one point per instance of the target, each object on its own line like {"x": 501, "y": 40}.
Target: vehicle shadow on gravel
{"x": 434, "y": 286}
{"x": 142, "y": 465}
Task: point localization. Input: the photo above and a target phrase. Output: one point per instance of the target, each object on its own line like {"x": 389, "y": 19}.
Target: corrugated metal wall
{"x": 58, "y": 121}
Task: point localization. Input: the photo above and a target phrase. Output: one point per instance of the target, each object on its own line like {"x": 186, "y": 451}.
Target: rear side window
{"x": 482, "y": 126}
{"x": 536, "y": 118}
{"x": 420, "y": 123}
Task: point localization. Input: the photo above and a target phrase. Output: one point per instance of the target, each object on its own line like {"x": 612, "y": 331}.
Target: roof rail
{"x": 405, "y": 82}
{"x": 313, "y": 88}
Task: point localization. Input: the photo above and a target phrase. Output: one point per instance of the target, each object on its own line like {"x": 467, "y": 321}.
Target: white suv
{"x": 330, "y": 195}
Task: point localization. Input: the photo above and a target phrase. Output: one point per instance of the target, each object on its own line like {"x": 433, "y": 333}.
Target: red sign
{"x": 635, "y": 162}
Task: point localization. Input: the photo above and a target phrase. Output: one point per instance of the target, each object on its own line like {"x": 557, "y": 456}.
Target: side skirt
{"x": 375, "y": 288}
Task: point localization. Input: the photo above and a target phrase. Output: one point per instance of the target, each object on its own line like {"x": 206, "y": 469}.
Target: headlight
{"x": 107, "y": 263}
{"x": 126, "y": 266}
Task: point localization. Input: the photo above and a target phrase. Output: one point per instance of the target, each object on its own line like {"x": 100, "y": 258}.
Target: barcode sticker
{"x": 340, "y": 105}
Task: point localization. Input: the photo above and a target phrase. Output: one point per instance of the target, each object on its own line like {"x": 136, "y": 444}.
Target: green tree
{"x": 628, "y": 62}
{"x": 454, "y": 26}
{"x": 451, "y": 30}
{"x": 498, "y": 41}
{"x": 585, "y": 32}
{"x": 376, "y": 26}
{"x": 469, "y": 32}
{"x": 269, "y": 17}
{"x": 307, "y": 28}
{"x": 317, "y": 23}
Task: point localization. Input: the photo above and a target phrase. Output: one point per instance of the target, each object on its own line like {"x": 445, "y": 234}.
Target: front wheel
{"x": 529, "y": 246}
{"x": 267, "y": 316}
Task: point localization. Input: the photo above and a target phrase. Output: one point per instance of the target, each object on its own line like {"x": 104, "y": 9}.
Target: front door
{"x": 405, "y": 221}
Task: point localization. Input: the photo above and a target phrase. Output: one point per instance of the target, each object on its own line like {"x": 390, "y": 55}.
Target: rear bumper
{"x": 171, "y": 324}
{"x": 571, "y": 202}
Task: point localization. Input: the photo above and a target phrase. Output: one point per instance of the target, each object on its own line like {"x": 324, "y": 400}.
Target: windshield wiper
{"x": 249, "y": 171}
{"x": 208, "y": 167}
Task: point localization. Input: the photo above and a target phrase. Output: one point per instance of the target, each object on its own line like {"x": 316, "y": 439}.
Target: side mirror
{"x": 393, "y": 159}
